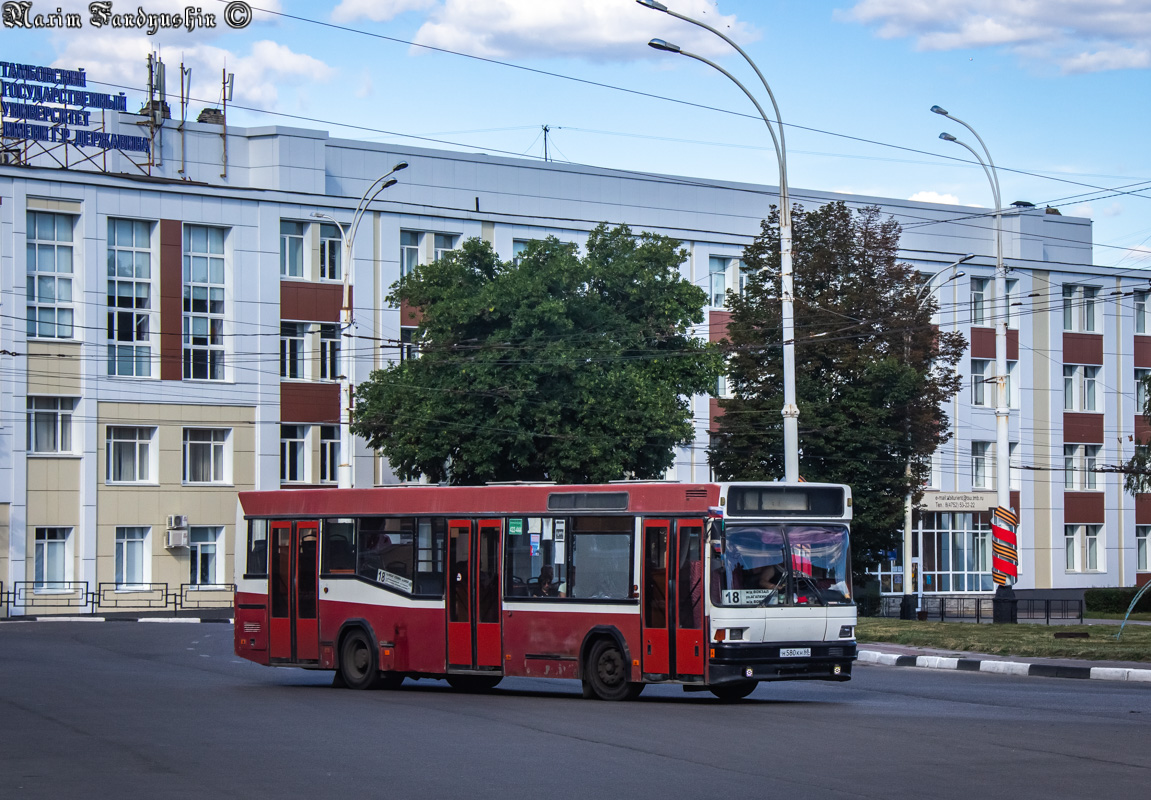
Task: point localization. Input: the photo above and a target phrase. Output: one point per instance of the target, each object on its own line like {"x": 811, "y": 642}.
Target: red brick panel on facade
{"x": 1083, "y": 508}
{"x": 717, "y": 322}
{"x": 1082, "y": 348}
{"x": 409, "y": 317}
{"x": 1143, "y": 509}
{"x": 171, "y": 303}
{"x": 715, "y": 412}
{"x": 983, "y": 343}
{"x": 310, "y": 402}
{"x": 1142, "y": 429}
{"x": 1082, "y": 428}
{"x": 312, "y": 302}
{"x": 1143, "y": 352}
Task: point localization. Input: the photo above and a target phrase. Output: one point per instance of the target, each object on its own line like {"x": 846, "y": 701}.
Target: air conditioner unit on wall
{"x": 177, "y": 521}
{"x": 176, "y": 538}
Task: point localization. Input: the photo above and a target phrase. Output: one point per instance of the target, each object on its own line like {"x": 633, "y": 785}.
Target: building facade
{"x": 170, "y": 328}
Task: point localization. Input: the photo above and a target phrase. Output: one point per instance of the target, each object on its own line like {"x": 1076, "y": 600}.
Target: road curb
{"x": 1000, "y": 667}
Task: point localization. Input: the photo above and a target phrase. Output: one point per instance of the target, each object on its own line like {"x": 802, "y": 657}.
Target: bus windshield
{"x": 771, "y": 565}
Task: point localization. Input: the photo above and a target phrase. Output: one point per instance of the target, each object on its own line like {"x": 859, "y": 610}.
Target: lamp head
{"x": 653, "y": 4}
{"x": 960, "y": 274}
{"x": 939, "y": 110}
{"x": 947, "y": 137}
{"x": 401, "y": 165}
{"x": 967, "y": 257}
{"x": 389, "y": 182}
{"x": 660, "y": 44}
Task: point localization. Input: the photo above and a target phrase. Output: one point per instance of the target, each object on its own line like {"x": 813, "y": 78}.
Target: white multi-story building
{"x": 170, "y": 331}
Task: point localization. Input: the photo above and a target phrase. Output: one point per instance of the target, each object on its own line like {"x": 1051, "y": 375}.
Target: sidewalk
{"x": 898, "y": 655}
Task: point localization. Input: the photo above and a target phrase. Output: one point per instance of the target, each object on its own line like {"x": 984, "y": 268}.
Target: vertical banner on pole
{"x": 1004, "y": 553}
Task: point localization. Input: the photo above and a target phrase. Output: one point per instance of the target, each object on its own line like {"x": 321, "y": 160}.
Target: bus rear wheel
{"x": 358, "y": 665}
{"x": 606, "y": 673}
{"x": 474, "y": 683}
{"x": 730, "y": 692}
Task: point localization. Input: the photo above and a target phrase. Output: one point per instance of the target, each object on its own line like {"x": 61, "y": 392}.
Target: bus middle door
{"x": 475, "y": 639}
{"x": 673, "y": 599}
{"x": 293, "y": 582}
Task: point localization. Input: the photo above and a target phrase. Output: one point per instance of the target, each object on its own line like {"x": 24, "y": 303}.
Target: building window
{"x": 956, "y": 553}
{"x": 291, "y": 249}
{"x": 331, "y": 252}
{"x": 129, "y": 298}
{"x": 1079, "y": 308}
{"x": 1012, "y": 304}
{"x": 1141, "y": 312}
{"x": 518, "y": 248}
{"x": 1080, "y": 388}
{"x": 131, "y": 557}
{"x": 979, "y": 300}
{"x": 203, "y": 303}
{"x": 721, "y": 387}
{"x": 1080, "y": 462}
{"x": 292, "y": 336}
{"x": 49, "y": 240}
{"x": 128, "y": 451}
{"x": 1083, "y": 548}
{"x": 1015, "y": 467}
{"x": 409, "y": 252}
{"x": 51, "y": 562}
{"x": 293, "y": 453}
{"x": 204, "y": 544}
{"x": 1142, "y": 560}
{"x": 982, "y": 465}
{"x": 329, "y": 453}
{"x": 444, "y": 243}
{"x": 408, "y": 349}
{"x": 717, "y": 277}
{"x": 50, "y": 424}
{"x": 205, "y": 455}
{"x": 330, "y": 352}
{"x": 1141, "y": 390}
{"x": 982, "y": 382}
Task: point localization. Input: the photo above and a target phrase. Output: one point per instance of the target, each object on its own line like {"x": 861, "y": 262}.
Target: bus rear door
{"x": 292, "y": 583}
{"x": 672, "y": 599}
{"x": 474, "y": 635}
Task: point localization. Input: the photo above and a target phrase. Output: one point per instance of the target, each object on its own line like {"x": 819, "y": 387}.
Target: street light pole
{"x": 910, "y": 601}
{"x": 344, "y": 474}
{"x": 1004, "y": 528}
{"x": 787, "y": 288}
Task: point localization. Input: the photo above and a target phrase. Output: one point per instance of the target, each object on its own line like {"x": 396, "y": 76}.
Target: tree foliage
{"x": 872, "y": 373}
{"x": 1137, "y": 469}
{"x": 555, "y": 367}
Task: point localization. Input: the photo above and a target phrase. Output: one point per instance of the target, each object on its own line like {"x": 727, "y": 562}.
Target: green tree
{"x": 555, "y": 367}
{"x": 1137, "y": 469}
{"x": 872, "y": 374}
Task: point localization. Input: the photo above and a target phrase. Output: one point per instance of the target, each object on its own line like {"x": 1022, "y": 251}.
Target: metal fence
{"x": 980, "y": 609}
{"x": 27, "y": 598}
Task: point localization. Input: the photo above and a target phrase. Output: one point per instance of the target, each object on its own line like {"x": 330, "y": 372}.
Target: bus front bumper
{"x": 780, "y": 661}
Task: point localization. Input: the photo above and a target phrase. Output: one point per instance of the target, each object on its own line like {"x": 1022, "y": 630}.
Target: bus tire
{"x": 607, "y": 672}
{"x": 730, "y": 692}
{"x": 474, "y": 683}
{"x": 359, "y": 666}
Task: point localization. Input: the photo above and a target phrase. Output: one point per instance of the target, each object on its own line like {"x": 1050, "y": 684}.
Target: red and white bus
{"x": 713, "y": 586}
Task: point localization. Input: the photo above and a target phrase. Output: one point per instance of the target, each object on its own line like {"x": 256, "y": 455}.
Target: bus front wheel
{"x": 358, "y": 666}
{"x": 606, "y": 673}
{"x": 730, "y": 692}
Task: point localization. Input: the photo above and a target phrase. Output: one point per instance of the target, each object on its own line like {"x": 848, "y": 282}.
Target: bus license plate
{"x": 795, "y": 652}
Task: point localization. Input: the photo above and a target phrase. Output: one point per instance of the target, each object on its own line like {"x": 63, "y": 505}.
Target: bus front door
{"x": 475, "y": 639}
{"x": 292, "y": 584}
{"x": 673, "y": 640}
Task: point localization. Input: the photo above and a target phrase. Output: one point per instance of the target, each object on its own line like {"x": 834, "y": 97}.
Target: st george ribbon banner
{"x": 1004, "y": 547}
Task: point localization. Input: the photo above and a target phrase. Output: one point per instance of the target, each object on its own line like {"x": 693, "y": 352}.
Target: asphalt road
{"x": 133, "y": 710}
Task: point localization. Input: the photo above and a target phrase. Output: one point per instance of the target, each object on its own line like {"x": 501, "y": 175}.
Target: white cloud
{"x": 934, "y": 197}
{"x": 1113, "y": 210}
{"x": 121, "y": 59}
{"x": 600, "y": 30}
{"x": 376, "y": 10}
{"x": 1083, "y": 210}
{"x": 1078, "y": 35}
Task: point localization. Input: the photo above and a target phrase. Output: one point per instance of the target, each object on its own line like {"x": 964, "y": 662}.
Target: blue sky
{"x": 1058, "y": 90}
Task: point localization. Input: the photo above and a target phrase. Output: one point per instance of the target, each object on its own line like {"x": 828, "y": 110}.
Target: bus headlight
{"x": 846, "y": 631}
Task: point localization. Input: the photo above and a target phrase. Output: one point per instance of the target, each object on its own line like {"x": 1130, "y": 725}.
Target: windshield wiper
{"x": 811, "y": 582}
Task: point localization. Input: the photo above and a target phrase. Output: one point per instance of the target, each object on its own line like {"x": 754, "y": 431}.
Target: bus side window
{"x": 338, "y": 547}
{"x": 257, "y": 547}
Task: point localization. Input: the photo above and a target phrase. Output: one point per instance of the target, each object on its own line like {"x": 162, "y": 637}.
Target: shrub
{"x": 1115, "y": 601}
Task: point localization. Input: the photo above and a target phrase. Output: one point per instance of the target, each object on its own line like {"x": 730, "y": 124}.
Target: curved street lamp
{"x": 347, "y": 360}
{"x": 787, "y": 288}
{"x": 1002, "y": 401}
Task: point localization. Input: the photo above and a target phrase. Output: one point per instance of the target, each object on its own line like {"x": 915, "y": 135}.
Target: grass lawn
{"x": 1143, "y": 616}
{"x": 1012, "y": 640}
